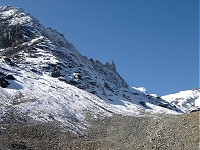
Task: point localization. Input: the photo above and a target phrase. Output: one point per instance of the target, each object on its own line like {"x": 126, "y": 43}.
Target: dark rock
{"x": 107, "y": 86}
{"x": 56, "y": 74}
{"x": 10, "y": 35}
{"x": 33, "y": 70}
{"x": 195, "y": 110}
{"x": 73, "y": 82}
{"x": 10, "y": 77}
{"x": 2, "y": 74}
{"x": 7, "y": 59}
{"x": 62, "y": 79}
{"x": 144, "y": 105}
{"x": 3, "y": 82}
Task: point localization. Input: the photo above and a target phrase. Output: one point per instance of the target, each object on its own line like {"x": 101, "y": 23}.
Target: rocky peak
{"x": 111, "y": 66}
{"x": 17, "y": 16}
{"x": 24, "y": 38}
{"x": 17, "y": 26}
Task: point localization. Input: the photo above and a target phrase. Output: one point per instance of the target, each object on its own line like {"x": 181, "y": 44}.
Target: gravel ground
{"x": 112, "y": 133}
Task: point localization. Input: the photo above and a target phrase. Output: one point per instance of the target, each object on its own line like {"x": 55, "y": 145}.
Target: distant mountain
{"x": 187, "y": 101}
{"x": 44, "y": 78}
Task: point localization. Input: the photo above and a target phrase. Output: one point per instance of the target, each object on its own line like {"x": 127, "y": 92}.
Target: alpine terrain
{"x": 52, "y": 97}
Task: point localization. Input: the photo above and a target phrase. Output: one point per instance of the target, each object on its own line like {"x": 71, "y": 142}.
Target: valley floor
{"x": 174, "y": 132}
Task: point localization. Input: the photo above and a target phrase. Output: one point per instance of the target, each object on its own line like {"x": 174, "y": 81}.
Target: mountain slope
{"x": 44, "y": 78}
{"x": 185, "y": 100}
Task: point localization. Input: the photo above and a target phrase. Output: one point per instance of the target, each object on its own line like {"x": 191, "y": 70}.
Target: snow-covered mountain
{"x": 44, "y": 78}
{"x": 187, "y": 101}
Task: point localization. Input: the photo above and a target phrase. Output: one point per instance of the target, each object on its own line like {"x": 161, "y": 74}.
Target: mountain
{"x": 44, "y": 78}
{"x": 187, "y": 101}
{"x": 52, "y": 97}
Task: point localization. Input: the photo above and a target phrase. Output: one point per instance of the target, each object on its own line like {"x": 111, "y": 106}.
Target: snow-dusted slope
{"x": 185, "y": 100}
{"x": 49, "y": 80}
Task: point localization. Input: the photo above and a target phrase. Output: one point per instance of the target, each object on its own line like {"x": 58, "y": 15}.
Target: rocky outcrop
{"x": 3, "y": 82}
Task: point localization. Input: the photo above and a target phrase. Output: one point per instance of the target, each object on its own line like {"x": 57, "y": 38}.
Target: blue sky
{"x": 154, "y": 43}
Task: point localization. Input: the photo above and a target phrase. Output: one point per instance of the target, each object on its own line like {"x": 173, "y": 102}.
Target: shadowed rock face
{"x": 9, "y": 35}
{"x": 118, "y": 132}
{"x": 13, "y": 27}
{"x": 3, "y": 82}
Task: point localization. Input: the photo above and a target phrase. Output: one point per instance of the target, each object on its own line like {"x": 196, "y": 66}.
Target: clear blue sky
{"x": 154, "y": 43}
